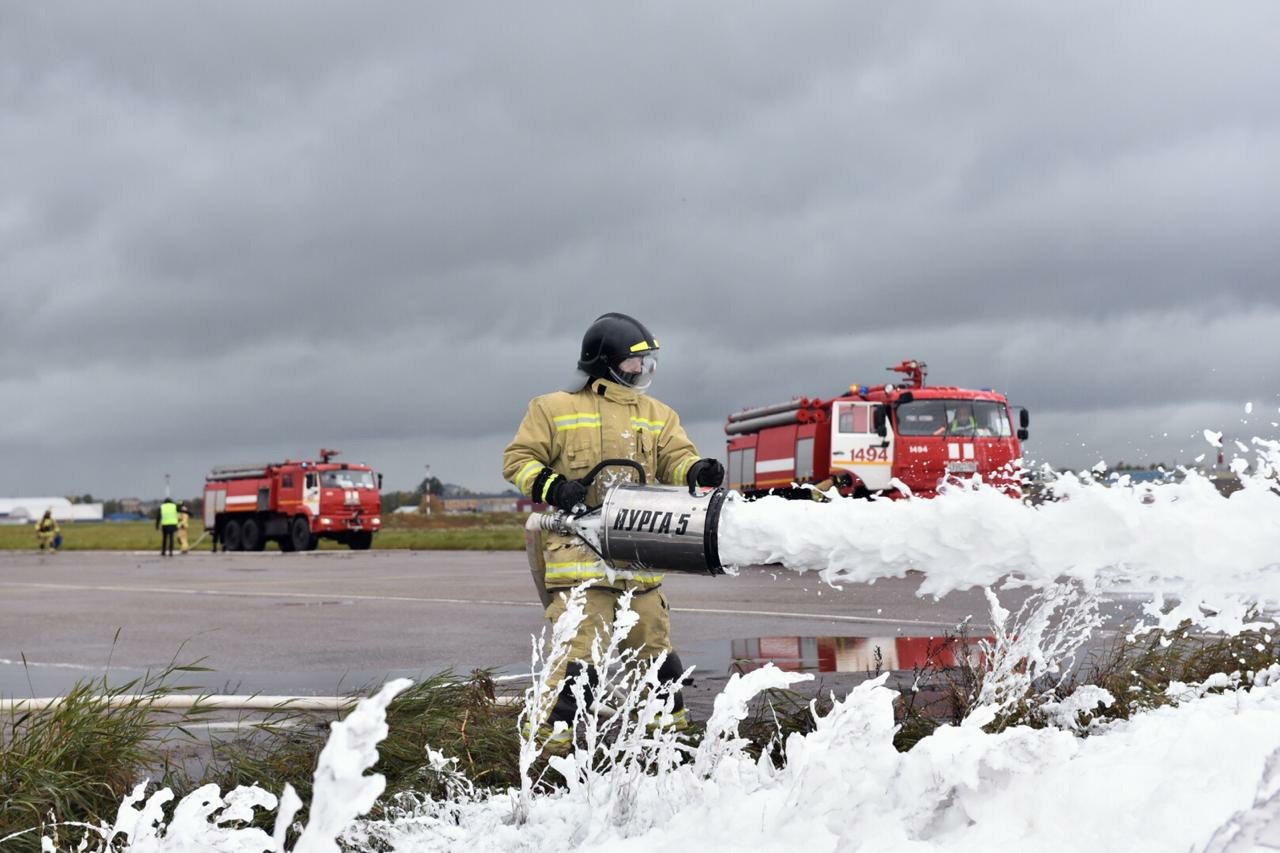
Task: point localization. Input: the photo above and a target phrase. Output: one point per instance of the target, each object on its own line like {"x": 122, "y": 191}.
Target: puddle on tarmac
{"x": 834, "y": 654}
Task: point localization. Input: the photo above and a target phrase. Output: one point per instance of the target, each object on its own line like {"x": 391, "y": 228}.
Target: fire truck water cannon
{"x": 914, "y": 370}
{"x": 637, "y": 526}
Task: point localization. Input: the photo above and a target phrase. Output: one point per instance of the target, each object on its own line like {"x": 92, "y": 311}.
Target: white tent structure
{"x": 29, "y": 510}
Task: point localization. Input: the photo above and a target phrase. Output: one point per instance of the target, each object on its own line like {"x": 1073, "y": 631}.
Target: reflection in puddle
{"x": 854, "y": 654}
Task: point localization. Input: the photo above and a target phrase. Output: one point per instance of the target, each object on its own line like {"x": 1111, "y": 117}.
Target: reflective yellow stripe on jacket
{"x": 571, "y": 573}
{"x": 651, "y": 426}
{"x": 575, "y": 572}
{"x": 524, "y": 479}
{"x": 577, "y": 420}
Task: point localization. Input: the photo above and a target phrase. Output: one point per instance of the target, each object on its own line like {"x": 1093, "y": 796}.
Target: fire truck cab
{"x": 892, "y": 439}
{"x": 293, "y": 503}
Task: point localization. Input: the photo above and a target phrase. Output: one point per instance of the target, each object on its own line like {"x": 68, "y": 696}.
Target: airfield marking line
{"x": 231, "y": 593}
{"x": 819, "y": 617}
{"x": 235, "y": 583}
{"x": 878, "y": 620}
{"x": 58, "y": 665}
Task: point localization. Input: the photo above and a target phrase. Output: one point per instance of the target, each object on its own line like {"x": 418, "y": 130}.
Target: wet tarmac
{"x": 335, "y": 622}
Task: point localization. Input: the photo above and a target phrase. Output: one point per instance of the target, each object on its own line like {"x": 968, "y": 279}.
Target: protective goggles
{"x": 636, "y": 371}
{"x": 639, "y": 364}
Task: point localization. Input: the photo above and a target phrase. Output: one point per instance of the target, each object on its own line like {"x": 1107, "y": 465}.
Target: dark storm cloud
{"x": 238, "y": 231}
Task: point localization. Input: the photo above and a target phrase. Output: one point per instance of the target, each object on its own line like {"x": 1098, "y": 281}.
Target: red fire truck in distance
{"x": 293, "y": 503}
{"x": 881, "y": 437}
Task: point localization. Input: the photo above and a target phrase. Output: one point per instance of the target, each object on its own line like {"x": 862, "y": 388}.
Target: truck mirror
{"x": 379, "y": 482}
{"x": 880, "y": 421}
{"x": 1023, "y": 435}
{"x": 1024, "y": 418}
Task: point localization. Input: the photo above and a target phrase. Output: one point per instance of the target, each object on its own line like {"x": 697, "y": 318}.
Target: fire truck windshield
{"x": 954, "y": 417}
{"x": 346, "y": 479}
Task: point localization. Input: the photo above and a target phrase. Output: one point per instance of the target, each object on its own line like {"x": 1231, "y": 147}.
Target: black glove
{"x": 705, "y": 472}
{"x": 565, "y": 494}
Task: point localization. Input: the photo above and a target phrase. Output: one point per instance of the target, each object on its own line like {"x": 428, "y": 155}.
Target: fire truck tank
{"x": 235, "y": 472}
{"x": 762, "y": 411}
{"x": 779, "y": 419}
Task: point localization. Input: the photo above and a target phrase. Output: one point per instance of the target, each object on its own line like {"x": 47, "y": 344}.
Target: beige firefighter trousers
{"x": 650, "y": 637}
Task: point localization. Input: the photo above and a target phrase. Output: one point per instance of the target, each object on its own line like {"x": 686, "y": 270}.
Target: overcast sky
{"x": 237, "y": 231}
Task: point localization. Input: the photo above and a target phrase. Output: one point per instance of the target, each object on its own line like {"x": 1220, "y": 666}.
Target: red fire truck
{"x": 884, "y": 439}
{"x": 294, "y": 503}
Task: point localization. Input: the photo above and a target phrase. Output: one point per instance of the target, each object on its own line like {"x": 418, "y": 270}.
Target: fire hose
{"x": 636, "y": 527}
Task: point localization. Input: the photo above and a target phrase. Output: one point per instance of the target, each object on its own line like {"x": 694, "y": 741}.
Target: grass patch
{"x": 491, "y": 531}
{"x": 77, "y": 759}
{"x": 1136, "y": 669}
{"x": 75, "y": 762}
{"x": 472, "y": 532}
{"x": 95, "y": 536}
{"x": 459, "y": 717}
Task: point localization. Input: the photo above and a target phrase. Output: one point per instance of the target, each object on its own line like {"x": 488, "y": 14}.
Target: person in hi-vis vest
{"x": 167, "y": 523}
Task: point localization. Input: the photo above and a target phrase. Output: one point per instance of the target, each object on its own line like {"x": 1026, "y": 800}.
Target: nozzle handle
{"x": 608, "y": 463}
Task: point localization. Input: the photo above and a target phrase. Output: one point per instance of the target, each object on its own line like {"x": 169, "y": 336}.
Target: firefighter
{"x": 184, "y": 520}
{"x": 167, "y": 523}
{"x": 47, "y": 533}
{"x": 563, "y": 435}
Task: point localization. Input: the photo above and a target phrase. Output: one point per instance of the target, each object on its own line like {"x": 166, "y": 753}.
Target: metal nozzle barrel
{"x": 662, "y": 528}
{"x": 641, "y": 528}
{"x": 645, "y": 528}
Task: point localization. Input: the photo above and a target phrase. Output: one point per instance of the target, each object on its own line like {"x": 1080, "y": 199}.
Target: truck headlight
{"x": 377, "y": 521}
{"x": 326, "y": 521}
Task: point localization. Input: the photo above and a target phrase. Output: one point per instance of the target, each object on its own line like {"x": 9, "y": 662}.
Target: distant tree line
{"x": 391, "y": 501}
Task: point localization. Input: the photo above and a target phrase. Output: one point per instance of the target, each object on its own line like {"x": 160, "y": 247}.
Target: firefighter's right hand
{"x": 565, "y": 494}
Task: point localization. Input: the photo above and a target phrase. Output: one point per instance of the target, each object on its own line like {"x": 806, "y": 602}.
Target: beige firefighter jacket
{"x": 571, "y": 431}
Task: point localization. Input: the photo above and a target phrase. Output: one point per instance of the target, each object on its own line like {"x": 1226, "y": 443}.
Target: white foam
{"x": 1179, "y": 539}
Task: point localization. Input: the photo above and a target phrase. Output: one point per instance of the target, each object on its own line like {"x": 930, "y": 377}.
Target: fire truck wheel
{"x": 299, "y": 537}
{"x": 360, "y": 541}
{"x": 251, "y": 538}
{"x": 231, "y": 540}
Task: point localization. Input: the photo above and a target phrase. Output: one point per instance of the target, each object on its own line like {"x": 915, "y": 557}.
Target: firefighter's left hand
{"x": 705, "y": 472}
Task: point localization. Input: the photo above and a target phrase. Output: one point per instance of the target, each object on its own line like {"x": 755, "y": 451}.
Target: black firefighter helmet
{"x": 620, "y": 348}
